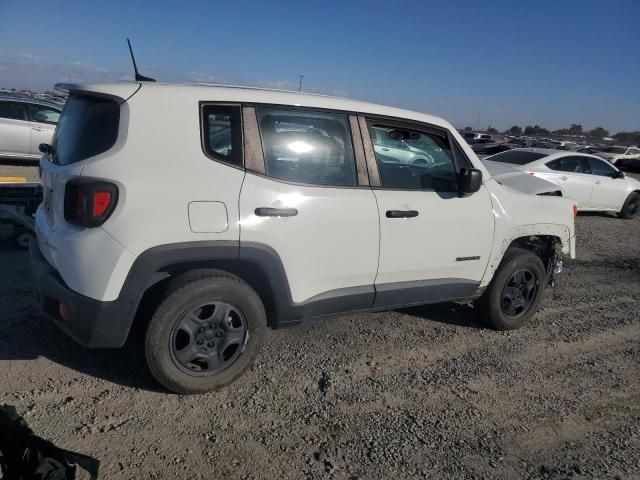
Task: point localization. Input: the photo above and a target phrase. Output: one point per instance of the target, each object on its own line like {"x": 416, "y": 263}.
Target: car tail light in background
{"x": 89, "y": 202}
{"x": 575, "y": 211}
{"x": 532, "y": 173}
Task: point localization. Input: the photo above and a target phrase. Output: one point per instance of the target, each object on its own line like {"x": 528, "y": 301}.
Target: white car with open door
{"x": 392, "y": 148}
{"x": 25, "y": 123}
{"x": 592, "y": 182}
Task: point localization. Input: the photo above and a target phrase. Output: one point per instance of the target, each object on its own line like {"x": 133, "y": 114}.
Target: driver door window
{"x": 601, "y": 168}
{"x": 570, "y": 165}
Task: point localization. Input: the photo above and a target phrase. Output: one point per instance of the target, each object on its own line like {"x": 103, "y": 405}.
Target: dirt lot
{"x": 420, "y": 393}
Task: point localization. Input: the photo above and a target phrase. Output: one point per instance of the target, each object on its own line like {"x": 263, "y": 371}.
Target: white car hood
{"x": 511, "y": 177}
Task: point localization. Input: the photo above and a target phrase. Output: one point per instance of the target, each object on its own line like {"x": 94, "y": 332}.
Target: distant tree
{"x": 536, "y": 130}
{"x": 492, "y": 131}
{"x": 468, "y": 129}
{"x": 575, "y": 129}
{"x": 598, "y": 132}
{"x": 515, "y": 130}
{"x": 628, "y": 138}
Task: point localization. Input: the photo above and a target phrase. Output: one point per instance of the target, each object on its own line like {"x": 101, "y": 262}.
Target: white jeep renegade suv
{"x": 232, "y": 209}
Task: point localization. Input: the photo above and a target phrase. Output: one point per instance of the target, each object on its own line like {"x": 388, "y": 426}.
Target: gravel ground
{"x": 419, "y": 393}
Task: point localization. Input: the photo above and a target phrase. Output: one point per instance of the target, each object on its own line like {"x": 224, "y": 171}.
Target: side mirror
{"x": 470, "y": 181}
{"x": 620, "y": 174}
{"x": 44, "y": 148}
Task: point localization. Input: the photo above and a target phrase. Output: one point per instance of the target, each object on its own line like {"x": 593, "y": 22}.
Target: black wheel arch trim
{"x": 107, "y": 324}
{"x": 261, "y": 267}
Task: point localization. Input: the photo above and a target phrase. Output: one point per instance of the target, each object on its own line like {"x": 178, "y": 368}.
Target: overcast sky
{"x": 550, "y": 63}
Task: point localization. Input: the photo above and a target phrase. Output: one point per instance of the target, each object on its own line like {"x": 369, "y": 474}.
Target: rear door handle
{"x": 402, "y": 213}
{"x": 276, "y": 212}
{"x": 562, "y": 177}
{"x": 37, "y": 129}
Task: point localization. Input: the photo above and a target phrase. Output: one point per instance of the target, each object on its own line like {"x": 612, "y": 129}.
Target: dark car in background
{"x": 488, "y": 146}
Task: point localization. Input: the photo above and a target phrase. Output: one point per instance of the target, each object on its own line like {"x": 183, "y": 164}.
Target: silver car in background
{"x": 25, "y": 123}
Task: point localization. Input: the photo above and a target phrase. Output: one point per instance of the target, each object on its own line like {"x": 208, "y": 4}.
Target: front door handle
{"x": 562, "y": 177}
{"x": 276, "y": 212}
{"x": 37, "y": 129}
{"x": 402, "y": 213}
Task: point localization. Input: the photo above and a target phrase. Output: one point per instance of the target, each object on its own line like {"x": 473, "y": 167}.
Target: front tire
{"x": 206, "y": 332}
{"x": 515, "y": 292}
{"x": 631, "y": 206}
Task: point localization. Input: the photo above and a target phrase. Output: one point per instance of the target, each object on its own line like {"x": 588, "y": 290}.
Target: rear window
{"x": 87, "y": 127}
{"x": 517, "y": 157}
{"x": 13, "y": 110}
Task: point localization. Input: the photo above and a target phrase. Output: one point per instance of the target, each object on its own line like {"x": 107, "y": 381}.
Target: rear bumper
{"x": 89, "y": 322}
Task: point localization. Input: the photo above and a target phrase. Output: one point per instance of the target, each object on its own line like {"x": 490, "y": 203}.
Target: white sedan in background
{"x": 592, "y": 182}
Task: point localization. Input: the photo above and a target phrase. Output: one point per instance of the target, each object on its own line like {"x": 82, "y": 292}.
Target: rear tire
{"x": 203, "y": 316}
{"x": 23, "y": 237}
{"x": 515, "y": 292}
{"x": 631, "y": 206}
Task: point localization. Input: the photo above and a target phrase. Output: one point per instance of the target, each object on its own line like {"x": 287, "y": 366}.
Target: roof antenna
{"x": 139, "y": 78}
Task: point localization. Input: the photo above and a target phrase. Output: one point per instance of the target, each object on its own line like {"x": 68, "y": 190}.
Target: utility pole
{"x": 478, "y": 122}
{"x": 301, "y": 75}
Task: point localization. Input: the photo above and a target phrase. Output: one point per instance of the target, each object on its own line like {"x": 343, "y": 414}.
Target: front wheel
{"x": 631, "y": 206}
{"x": 206, "y": 332}
{"x": 515, "y": 292}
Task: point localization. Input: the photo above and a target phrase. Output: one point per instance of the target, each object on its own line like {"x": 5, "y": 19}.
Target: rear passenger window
{"x": 413, "y": 160}
{"x": 307, "y": 147}
{"x": 13, "y": 110}
{"x": 222, "y": 133}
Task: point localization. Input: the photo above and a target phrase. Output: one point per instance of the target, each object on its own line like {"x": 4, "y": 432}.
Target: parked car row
{"x": 621, "y": 156}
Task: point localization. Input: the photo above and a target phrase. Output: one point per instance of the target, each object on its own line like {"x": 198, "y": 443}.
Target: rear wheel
{"x": 631, "y": 206}
{"x": 206, "y": 332}
{"x": 23, "y": 237}
{"x": 515, "y": 292}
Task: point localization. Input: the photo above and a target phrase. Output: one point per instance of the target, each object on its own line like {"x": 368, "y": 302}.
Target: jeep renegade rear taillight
{"x": 89, "y": 202}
